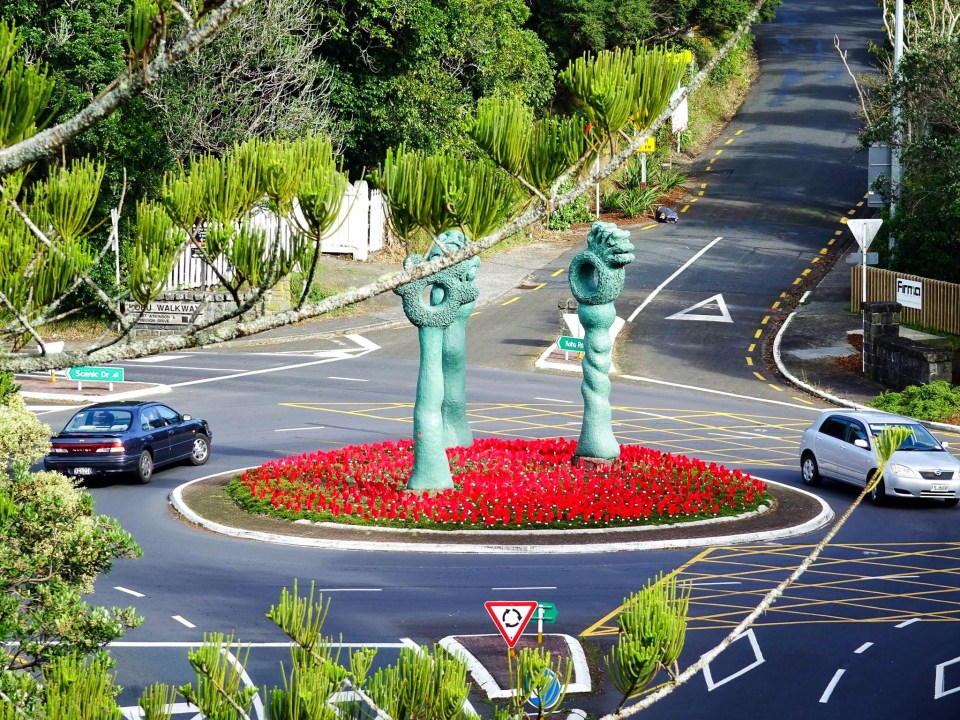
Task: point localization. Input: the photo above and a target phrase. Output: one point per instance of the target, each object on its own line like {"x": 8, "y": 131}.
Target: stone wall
{"x": 897, "y": 362}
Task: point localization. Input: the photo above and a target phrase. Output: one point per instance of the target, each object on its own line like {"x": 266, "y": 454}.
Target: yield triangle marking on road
{"x": 511, "y": 617}
{"x": 716, "y": 302}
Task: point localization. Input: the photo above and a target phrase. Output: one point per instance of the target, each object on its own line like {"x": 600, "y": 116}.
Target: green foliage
{"x": 154, "y": 252}
{"x": 577, "y": 211}
{"x": 219, "y": 692}
{"x": 23, "y": 438}
{"x": 532, "y": 674}
{"x": 8, "y": 388}
{"x": 634, "y": 201}
{"x": 25, "y": 90}
{"x": 732, "y": 65}
{"x": 76, "y": 688}
{"x": 938, "y": 401}
{"x": 422, "y": 685}
{"x": 652, "y": 631}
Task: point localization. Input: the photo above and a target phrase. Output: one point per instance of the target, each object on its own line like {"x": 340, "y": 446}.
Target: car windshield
{"x": 93, "y": 420}
{"x": 918, "y": 439}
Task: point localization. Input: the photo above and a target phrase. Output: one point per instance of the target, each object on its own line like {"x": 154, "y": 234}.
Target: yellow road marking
{"x": 540, "y": 286}
{"x": 709, "y": 168}
{"x": 693, "y": 199}
{"x": 684, "y": 208}
{"x": 766, "y": 319}
{"x": 775, "y": 305}
{"x": 703, "y": 186}
{"x": 749, "y": 361}
{"x": 728, "y": 141}
{"x": 647, "y": 227}
{"x": 860, "y": 204}
{"x": 558, "y": 272}
{"x": 824, "y": 251}
{"x": 831, "y": 241}
{"x": 815, "y": 260}
{"x": 700, "y": 193}
{"x": 843, "y": 221}
{"x": 838, "y": 232}
{"x": 797, "y": 281}
{"x": 511, "y": 300}
{"x": 778, "y": 389}
{"x": 784, "y": 295}
{"x": 759, "y": 376}
{"x": 851, "y": 212}
{"x": 738, "y": 132}
{"x": 476, "y": 312}
{"x": 753, "y": 346}
{"x": 757, "y": 334}
{"x": 803, "y": 400}
{"x": 718, "y": 153}
{"x": 806, "y": 272}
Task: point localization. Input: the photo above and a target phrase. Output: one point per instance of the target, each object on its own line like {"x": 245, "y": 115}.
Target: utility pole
{"x": 896, "y": 170}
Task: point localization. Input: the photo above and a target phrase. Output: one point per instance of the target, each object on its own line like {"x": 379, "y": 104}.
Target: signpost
{"x": 511, "y": 617}
{"x": 649, "y": 146}
{"x": 546, "y": 613}
{"x": 95, "y": 374}
{"x": 864, "y": 231}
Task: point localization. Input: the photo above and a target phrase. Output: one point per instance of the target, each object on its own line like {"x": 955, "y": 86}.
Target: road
{"x": 872, "y": 631}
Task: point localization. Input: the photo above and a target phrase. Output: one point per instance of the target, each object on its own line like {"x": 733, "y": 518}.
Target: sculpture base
{"x": 591, "y": 462}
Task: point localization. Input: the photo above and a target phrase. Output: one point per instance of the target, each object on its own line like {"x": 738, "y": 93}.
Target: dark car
{"x": 127, "y": 437}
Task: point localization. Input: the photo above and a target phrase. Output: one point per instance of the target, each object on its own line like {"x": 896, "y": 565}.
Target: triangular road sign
{"x": 511, "y": 617}
{"x": 864, "y": 231}
{"x": 710, "y": 303}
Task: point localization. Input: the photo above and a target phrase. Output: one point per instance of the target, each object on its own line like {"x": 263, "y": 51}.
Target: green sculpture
{"x": 596, "y": 279}
{"x": 450, "y": 291}
{"x": 456, "y": 429}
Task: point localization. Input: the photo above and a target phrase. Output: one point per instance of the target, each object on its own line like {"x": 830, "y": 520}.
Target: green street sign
{"x": 571, "y": 343}
{"x": 548, "y": 610}
{"x": 96, "y": 374}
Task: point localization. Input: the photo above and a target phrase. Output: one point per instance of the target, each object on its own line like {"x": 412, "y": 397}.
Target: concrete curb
{"x": 89, "y": 399}
{"x": 823, "y": 517}
{"x": 578, "y": 659}
{"x": 843, "y": 402}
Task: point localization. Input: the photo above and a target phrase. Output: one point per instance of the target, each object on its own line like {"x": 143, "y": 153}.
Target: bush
{"x": 636, "y": 201}
{"x": 8, "y": 387}
{"x": 23, "y": 438}
{"x": 576, "y": 212}
{"x": 938, "y": 401}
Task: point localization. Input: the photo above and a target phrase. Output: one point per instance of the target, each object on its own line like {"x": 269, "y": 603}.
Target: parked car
{"x": 840, "y": 445}
{"x": 127, "y": 437}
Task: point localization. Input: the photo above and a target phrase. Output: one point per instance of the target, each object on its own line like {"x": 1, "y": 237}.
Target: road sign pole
{"x": 643, "y": 170}
{"x": 540, "y": 624}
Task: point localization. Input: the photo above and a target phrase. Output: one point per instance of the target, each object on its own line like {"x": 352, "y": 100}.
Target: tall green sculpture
{"x": 596, "y": 279}
{"x": 456, "y": 429}
{"x": 450, "y": 291}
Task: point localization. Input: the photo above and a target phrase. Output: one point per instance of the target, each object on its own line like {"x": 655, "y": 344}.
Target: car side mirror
{"x": 184, "y": 418}
{"x": 861, "y": 443}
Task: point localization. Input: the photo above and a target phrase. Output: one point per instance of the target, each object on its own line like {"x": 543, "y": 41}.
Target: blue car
{"x": 127, "y": 437}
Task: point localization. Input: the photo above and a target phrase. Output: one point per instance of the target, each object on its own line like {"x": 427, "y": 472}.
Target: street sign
{"x": 511, "y": 617}
{"x": 547, "y": 612}
{"x": 96, "y": 374}
{"x": 857, "y": 258}
{"x": 551, "y": 694}
{"x": 864, "y": 231}
{"x": 649, "y": 145}
{"x": 571, "y": 343}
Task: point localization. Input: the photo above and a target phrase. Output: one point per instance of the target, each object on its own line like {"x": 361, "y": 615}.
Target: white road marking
{"x": 707, "y": 584}
{"x": 197, "y": 367}
{"x": 863, "y": 648}
{"x": 347, "y": 379}
{"x": 346, "y": 354}
{"x": 267, "y": 645}
{"x": 156, "y": 358}
{"x": 408, "y": 642}
{"x": 349, "y": 589}
{"x": 911, "y": 621}
{"x": 567, "y": 402}
{"x": 128, "y": 591}
{"x": 717, "y": 299}
{"x": 312, "y": 427}
{"x": 720, "y": 392}
{"x": 758, "y": 660}
{"x": 833, "y": 683}
{"x": 666, "y": 282}
{"x": 530, "y": 587}
{"x": 890, "y": 577}
{"x": 183, "y": 621}
{"x": 939, "y": 689}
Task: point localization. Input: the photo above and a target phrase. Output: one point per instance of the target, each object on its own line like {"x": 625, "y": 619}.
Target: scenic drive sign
{"x": 96, "y": 374}
{"x": 511, "y": 617}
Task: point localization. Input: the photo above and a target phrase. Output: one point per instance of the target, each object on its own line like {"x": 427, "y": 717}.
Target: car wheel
{"x": 808, "y": 466}
{"x": 145, "y": 467}
{"x": 951, "y": 502}
{"x": 878, "y": 496}
{"x": 201, "y": 450}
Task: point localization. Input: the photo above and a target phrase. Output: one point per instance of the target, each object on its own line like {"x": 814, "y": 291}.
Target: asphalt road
{"x": 871, "y": 631}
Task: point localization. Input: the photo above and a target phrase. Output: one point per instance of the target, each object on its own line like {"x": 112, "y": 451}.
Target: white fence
{"x": 360, "y": 229}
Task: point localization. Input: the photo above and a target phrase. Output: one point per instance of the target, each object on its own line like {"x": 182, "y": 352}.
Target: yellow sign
{"x": 649, "y": 146}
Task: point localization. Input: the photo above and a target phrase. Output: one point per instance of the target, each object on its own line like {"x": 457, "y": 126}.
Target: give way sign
{"x": 511, "y": 617}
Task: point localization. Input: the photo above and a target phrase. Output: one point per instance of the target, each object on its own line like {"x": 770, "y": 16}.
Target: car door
{"x": 155, "y": 433}
{"x": 826, "y": 444}
{"x": 181, "y": 433}
{"x": 855, "y": 462}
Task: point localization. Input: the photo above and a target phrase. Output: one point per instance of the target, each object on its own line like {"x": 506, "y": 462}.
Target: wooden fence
{"x": 941, "y": 300}
{"x": 359, "y": 231}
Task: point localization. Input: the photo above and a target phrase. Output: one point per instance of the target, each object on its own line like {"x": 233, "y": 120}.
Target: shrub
{"x": 636, "y": 201}
{"x": 23, "y": 438}
{"x": 576, "y": 212}
{"x": 938, "y": 401}
{"x": 7, "y": 387}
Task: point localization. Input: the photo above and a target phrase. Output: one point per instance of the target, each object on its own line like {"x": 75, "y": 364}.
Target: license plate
{"x": 81, "y": 471}
{"x": 939, "y": 488}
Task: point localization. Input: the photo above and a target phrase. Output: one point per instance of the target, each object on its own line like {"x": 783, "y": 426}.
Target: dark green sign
{"x": 571, "y": 343}
{"x": 548, "y": 610}
{"x": 96, "y": 374}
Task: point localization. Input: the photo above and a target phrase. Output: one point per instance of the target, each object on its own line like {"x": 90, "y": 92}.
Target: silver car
{"x": 840, "y": 445}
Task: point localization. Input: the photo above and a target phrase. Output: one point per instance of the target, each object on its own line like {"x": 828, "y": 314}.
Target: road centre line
{"x": 529, "y": 587}
{"x": 183, "y": 621}
{"x": 323, "y": 590}
{"x": 890, "y": 577}
{"x": 128, "y": 591}
{"x": 567, "y": 402}
{"x": 708, "y": 584}
{"x": 863, "y": 648}
{"x": 911, "y": 621}
{"x": 666, "y": 282}
{"x": 312, "y": 427}
{"x": 347, "y": 379}
{"x": 198, "y": 643}
{"x": 711, "y": 391}
{"x": 833, "y": 683}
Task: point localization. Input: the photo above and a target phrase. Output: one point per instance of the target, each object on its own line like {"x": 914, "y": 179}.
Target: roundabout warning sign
{"x": 511, "y": 617}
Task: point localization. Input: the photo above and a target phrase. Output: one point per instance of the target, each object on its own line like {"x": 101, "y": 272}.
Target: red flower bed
{"x": 502, "y": 484}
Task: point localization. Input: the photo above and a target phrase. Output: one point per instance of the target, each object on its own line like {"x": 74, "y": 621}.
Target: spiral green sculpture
{"x": 450, "y": 292}
{"x": 596, "y": 280}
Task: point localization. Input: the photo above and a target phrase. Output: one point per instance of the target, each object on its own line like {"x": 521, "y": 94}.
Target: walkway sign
{"x": 96, "y": 374}
{"x": 511, "y": 617}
